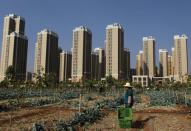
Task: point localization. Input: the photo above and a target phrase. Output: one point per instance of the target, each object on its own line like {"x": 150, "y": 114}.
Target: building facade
{"x": 46, "y": 53}
{"x": 173, "y": 60}
{"x": 101, "y": 71}
{"x": 29, "y": 76}
{"x": 139, "y": 63}
{"x": 181, "y": 56}
{"x": 14, "y": 46}
{"x": 126, "y": 64}
{"x": 81, "y": 54}
{"x": 163, "y": 62}
{"x": 149, "y": 56}
{"x": 114, "y": 48}
{"x": 65, "y": 66}
{"x": 94, "y": 66}
{"x": 170, "y": 65}
{"x": 143, "y": 80}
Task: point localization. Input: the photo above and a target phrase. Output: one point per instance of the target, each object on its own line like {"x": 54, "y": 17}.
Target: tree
{"x": 101, "y": 86}
{"x": 137, "y": 86}
{"x": 109, "y": 81}
{"x": 89, "y": 85}
{"x": 10, "y": 73}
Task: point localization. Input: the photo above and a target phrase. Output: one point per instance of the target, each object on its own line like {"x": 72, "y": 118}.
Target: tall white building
{"x": 114, "y": 48}
{"x": 181, "y": 56}
{"x": 163, "y": 62}
{"x": 81, "y": 54}
{"x": 14, "y": 46}
{"x": 149, "y": 56}
{"x": 46, "y": 53}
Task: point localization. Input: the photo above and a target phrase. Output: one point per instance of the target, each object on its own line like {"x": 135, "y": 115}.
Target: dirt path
{"x": 22, "y": 119}
{"x": 146, "y": 122}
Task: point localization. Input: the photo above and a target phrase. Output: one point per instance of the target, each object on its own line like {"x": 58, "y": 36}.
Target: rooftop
{"x": 163, "y": 50}
{"x": 183, "y": 36}
{"x": 14, "y": 16}
{"x": 82, "y": 28}
{"x": 18, "y": 35}
{"x": 66, "y": 52}
{"x": 46, "y": 31}
{"x": 148, "y": 38}
{"x": 115, "y": 25}
{"x": 98, "y": 49}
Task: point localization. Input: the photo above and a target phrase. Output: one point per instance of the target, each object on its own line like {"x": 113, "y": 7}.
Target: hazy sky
{"x": 160, "y": 18}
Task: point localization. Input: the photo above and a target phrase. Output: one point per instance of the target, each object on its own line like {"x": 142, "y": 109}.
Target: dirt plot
{"x": 145, "y": 117}
{"x": 146, "y": 122}
{"x": 22, "y": 119}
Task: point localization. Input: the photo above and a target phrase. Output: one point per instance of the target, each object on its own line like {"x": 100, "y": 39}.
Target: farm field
{"x": 59, "y": 110}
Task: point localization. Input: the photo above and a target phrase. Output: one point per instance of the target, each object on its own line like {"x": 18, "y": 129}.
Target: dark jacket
{"x": 128, "y": 93}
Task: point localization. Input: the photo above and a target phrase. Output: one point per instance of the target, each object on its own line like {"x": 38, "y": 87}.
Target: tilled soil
{"x": 146, "y": 122}
{"x": 22, "y": 119}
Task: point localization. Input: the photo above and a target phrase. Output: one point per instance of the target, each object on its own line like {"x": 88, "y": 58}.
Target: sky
{"x": 161, "y": 19}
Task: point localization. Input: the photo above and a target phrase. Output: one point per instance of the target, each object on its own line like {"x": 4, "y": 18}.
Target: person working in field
{"x": 128, "y": 95}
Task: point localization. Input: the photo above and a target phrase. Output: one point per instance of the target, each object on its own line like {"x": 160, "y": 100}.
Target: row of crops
{"x": 61, "y": 97}
{"x": 26, "y": 93}
{"x": 168, "y": 98}
{"x": 86, "y": 117}
{"x": 157, "y": 98}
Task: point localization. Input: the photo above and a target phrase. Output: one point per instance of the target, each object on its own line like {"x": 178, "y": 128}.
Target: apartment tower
{"x": 139, "y": 63}
{"x": 170, "y": 65}
{"x": 173, "y": 60}
{"x": 14, "y": 46}
{"x": 114, "y": 48}
{"x": 46, "y": 53}
{"x": 163, "y": 62}
{"x": 149, "y": 56}
{"x": 101, "y": 68}
{"x": 126, "y": 64}
{"x": 58, "y": 64}
{"x": 81, "y": 54}
{"x": 94, "y": 66}
{"x": 181, "y": 55}
{"x": 65, "y": 66}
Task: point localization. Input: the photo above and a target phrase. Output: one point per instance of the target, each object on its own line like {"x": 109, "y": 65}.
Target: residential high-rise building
{"x": 163, "y": 62}
{"x": 126, "y": 64}
{"x": 114, "y": 48}
{"x": 81, "y": 54}
{"x": 181, "y": 55}
{"x": 170, "y": 65}
{"x": 101, "y": 70}
{"x": 139, "y": 63}
{"x": 65, "y": 66}
{"x": 173, "y": 61}
{"x": 28, "y": 76}
{"x": 58, "y": 68}
{"x": 94, "y": 66}
{"x": 14, "y": 46}
{"x": 149, "y": 56}
{"x": 46, "y": 53}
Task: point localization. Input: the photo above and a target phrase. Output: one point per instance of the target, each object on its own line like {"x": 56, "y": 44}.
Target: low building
{"x": 162, "y": 79}
{"x": 143, "y": 80}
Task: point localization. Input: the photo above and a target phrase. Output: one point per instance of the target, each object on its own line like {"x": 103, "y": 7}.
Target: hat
{"x": 127, "y": 85}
